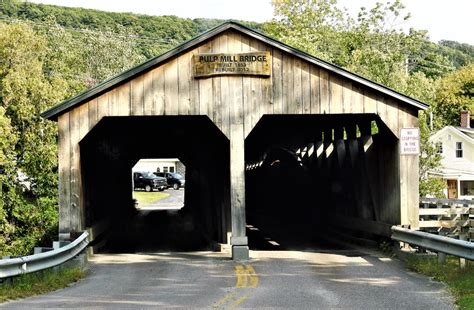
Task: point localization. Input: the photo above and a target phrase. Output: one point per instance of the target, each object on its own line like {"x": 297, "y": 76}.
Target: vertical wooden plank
{"x": 370, "y": 103}
{"x": 194, "y": 88}
{"x": 296, "y": 105}
{"x": 277, "y": 81}
{"x": 74, "y": 155}
{"x": 408, "y": 176}
{"x": 305, "y": 87}
{"x": 287, "y": 83}
{"x": 256, "y": 94}
{"x": 237, "y": 151}
{"x": 205, "y": 86}
{"x": 112, "y": 99}
{"x": 83, "y": 120}
{"x": 184, "y": 81}
{"x": 223, "y": 101}
{"x": 347, "y": 100}
{"x": 64, "y": 166}
{"x": 324, "y": 91}
{"x": 315, "y": 88}
{"x": 220, "y": 113}
{"x": 357, "y": 100}
{"x": 158, "y": 82}
{"x": 102, "y": 106}
{"x": 335, "y": 90}
{"x": 266, "y": 104}
{"x": 413, "y": 177}
{"x": 137, "y": 95}
{"x": 93, "y": 113}
{"x": 390, "y": 117}
{"x": 247, "y": 94}
{"x": 381, "y": 106}
{"x": 122, "y": 100}
{"x": 171, "y": 87}
{"x": 83, "y": 130}
{"x": 148, "y": 105}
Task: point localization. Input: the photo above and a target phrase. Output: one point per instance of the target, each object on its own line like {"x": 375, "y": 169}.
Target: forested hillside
{"x": 50, "y": 53}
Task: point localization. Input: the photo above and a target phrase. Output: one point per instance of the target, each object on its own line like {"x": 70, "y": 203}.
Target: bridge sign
{"x": 253, "y": 63}
{"x": 410, "y": 141}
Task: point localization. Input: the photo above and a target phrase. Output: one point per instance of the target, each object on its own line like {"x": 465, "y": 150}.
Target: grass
{"x": 39, "y": 283}
{"x": 148, "y": 198}
{"x": 459, "y": 281}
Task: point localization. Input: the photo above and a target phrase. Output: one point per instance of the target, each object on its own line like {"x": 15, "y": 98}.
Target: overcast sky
{"x": 449, "y": 20}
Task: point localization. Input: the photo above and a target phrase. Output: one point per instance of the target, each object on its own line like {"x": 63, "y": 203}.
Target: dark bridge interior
{"x": 312, "y": 177}
{"x": 308, "y": 177}
{"x": 115, "y": 145}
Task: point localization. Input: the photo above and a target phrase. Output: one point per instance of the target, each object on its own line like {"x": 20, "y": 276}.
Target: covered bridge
{"x": 252, "y": 119}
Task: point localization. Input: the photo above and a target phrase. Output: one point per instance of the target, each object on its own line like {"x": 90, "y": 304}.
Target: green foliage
{"x": 150, "y": 35}
{"x": 460, "y": 281}
{"x": 145, "y": 198}
{"x": 430, "y": 160}
{"x": 50, "y": 53}
{"x": 40, "y": 283}
{"x": 455, "y": 94}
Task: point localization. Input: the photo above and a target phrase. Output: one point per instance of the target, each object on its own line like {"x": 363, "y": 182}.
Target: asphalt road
{"x": 174, "y": 201}
{"x": 341, "y": 279}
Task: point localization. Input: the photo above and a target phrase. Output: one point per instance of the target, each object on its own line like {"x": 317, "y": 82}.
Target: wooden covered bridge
{"x": 253, "y": 120}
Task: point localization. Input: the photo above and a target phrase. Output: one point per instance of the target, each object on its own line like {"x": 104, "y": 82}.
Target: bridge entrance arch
{"x": 110, "y": 150}
{"x": 310, "y": 176}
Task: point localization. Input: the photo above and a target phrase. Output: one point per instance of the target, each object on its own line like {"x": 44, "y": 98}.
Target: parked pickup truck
{"x": 148, "y": 181}
{"x": 174, "y": 180}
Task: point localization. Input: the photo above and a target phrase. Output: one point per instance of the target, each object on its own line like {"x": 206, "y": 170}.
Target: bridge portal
{"x": 250, "y": 111}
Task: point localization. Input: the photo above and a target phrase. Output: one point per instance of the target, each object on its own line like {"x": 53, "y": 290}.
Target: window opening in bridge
{"x": 158, "y": 184}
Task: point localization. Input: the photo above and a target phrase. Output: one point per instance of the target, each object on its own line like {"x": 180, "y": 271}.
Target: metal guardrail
{"x": 459, "y": 248}
{"x": 31, "y": 263}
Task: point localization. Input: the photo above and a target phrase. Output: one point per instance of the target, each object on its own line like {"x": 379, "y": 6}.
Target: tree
{"x": 455, "y": 94}
{"x": 27, "y": 216}
{"x": 430, "y": 161}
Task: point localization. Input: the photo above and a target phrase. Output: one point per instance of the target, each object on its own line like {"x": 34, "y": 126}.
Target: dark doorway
{"x": 116, "y": 144}
{"x": 307, "y": 176}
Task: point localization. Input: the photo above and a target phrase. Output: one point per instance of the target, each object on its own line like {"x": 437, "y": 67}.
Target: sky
{"x": 448, "y": 20}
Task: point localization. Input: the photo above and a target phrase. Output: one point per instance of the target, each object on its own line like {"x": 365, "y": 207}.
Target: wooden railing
{"x": 451, "y": 217}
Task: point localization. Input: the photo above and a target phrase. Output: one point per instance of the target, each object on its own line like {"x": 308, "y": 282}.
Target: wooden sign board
{"x": 409, "y": 141}
{"x": 254, "y": 63}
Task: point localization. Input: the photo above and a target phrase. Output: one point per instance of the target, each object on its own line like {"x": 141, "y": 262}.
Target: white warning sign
{"x": 410, "y": 141}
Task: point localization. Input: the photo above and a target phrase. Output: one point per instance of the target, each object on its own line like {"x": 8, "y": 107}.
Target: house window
{"x": 171, "y": 169}
{"x": 458, "y": 149}
{"x": 439, "y": 147}
{"x": 467, "y": 188}
{"x": 165, "y": 169}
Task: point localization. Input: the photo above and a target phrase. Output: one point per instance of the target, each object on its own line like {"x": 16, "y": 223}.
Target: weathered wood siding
{"x": 235, "y": 104}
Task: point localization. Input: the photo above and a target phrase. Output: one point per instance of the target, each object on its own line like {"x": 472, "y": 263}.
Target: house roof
{"x": 455, "y": 130}
{"x": 93, "y": 92}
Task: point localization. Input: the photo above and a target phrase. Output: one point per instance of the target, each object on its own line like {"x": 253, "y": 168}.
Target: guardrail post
{"x": 462, "y": 261}
{"x": 441, "y": 258}
{"x": 441, "y": 255}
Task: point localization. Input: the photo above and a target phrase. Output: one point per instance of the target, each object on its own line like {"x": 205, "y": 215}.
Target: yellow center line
{"x": 253, "y": 278}
{"x": 238, "y": 302}
{"x": 224, "y": 300}
{"x": 240, "y": 272}
{"x": 246, "y": 276}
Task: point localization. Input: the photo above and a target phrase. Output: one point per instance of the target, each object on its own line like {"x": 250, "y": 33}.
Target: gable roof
{"x": 93, "y": 92}
{"x": 453, "y": 130}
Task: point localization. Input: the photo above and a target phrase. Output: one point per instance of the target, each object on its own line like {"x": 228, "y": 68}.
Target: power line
{"x": 90, "y": 31}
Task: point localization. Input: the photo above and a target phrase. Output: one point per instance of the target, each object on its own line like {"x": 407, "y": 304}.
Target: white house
{"x": 456, "y": 146}
{"x": 158, "y": 165}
